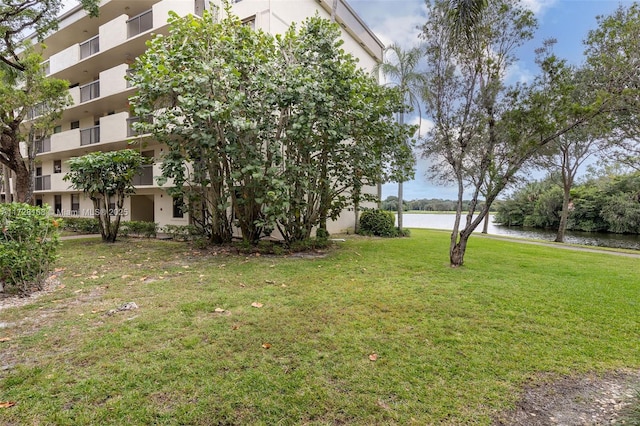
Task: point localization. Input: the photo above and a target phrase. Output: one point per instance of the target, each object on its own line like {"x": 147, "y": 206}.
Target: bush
{"x": 81, "y": 225}
{"x": 28, "y": 246}
{"x": 379, "y": 223}
{"x": 181, "y": 232}
{"x": 142, "y": 229}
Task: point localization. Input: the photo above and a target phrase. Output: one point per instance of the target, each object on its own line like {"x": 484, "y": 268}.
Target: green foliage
{"x": 454, "y": 346}
{"x": 378, "y": 222}
{"x": 29, "y": 242}
{"x": 278, "y": 132}
{"x": 25, "y": 17}
{"x": 30, "y": 104}
{"x": 139, "y": 228}
{"x": 106, "y": 176}
{"x": 81, "y": 225}
{"x": 607, "y": 204}
{"x": 181, "y": 232}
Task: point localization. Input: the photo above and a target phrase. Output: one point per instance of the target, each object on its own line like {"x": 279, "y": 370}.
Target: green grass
{"x": 454, "y": 346}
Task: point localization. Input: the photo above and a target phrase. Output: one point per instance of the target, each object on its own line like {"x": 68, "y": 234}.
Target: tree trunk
{"x": 24, "y": 184}
{"x": 562, "y": 227}
{"x": 485, "y": 225}
{"x": 457, "y": 251}
{"x": 400, "y": 189}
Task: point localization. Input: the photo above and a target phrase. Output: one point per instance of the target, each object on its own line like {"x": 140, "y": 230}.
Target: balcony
{"x": 139, "y": 24}
{"x": 90, "y": 47}
{"x": 90, "y": 136}
{"x": 145, "y": 177}
{"x": 131, "y": 132}
{"x": 90, "y": 91}
{"x": 43, "y": 145}
{"x": 43, "y": 183}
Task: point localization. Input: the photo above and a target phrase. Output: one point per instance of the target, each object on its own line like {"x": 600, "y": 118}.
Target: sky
{"x": 568, "y": 21}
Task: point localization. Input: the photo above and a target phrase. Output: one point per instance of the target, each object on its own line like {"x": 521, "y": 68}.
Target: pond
{"x": 446, "y": 220}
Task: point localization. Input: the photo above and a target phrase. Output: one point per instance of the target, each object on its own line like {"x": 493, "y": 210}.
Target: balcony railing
{"x": 90, "y": 135}
{"x": 140, "y": 23}
{"x": 90, "y": 47}
{"x": 90, "y": 91}
{"x": 131, "y": 132}
{"x": 43, "y": 145}
{"x": 43, "y": 183}
{"x": 145, "y": 177}
{"x": 35, "y": 111}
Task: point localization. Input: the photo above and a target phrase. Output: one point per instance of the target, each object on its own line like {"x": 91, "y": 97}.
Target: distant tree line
{"x": 600, "y": 204}
{"x": 426, "y": 204}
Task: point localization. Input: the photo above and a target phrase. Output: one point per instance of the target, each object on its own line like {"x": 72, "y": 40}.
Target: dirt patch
{"x": 13, "y": 301}
{"x": 576, "y": 401}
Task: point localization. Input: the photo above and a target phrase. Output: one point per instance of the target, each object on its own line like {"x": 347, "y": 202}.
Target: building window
{"x": 90, "y": 47}
{"x": 90, "y": 91}
{"x": 178, "y": 207}
{"x": 250, "y": 22}
{"x": 43, "y": 145}
{"x": 139, "y": 24}
{"x": 90, "y": 135}
{"x": 57, "y": 166}
{"x": 75, "y": 125}
{"x": 57, "y": 204}
{"x": 58, "y": 129}
{"x": 75, "y": 203}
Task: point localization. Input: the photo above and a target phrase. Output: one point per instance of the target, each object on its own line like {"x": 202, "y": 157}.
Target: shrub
{"x": 378, "y": 222}
{"x": 29, "y": 242}
{"x": 81, "y": 225}
{"x": 142, "y": 229}
{"x": 181, "y": 232}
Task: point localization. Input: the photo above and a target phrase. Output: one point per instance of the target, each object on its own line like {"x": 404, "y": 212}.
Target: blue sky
{"x": 568, "y": 21}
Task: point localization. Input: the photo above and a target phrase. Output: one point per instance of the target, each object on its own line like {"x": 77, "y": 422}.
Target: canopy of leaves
{"x": 106, "y": 177}
{"x": 22, "y": 18}
{"x": 604, "y": 204}
{"x": 30, "y": 105}
{"x": 266, "y": 132}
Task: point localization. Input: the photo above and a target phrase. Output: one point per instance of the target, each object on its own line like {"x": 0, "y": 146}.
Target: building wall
{"x": 94, "y": 54}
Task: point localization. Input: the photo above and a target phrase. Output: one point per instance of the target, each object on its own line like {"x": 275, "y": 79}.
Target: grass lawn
{"x": 453, "y": 346}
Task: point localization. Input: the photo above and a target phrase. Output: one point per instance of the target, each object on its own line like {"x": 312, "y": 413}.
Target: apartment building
{"x": 94, "y": 55}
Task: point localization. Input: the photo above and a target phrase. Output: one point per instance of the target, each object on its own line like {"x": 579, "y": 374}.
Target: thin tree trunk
{"x": 485, "y": 226}
{"x": 400, "y": 188}
{"x": 562, "y": 227}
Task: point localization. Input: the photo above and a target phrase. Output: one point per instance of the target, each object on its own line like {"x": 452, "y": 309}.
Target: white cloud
{"x": 539, "y": 7}
{"x": 518, "y": 73}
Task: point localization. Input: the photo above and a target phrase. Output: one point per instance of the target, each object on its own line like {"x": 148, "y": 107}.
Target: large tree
{"x": 20, "y": 18}
{"x": 30, "y": 104}
{"x": 265, "y": 132}
{"x": 485, "y": 132}
{"x": 401, "y": 67}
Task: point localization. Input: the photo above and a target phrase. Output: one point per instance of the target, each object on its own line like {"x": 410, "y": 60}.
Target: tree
{"x": 464, "y": 15}
{"x": 403, "y": 71}
{"x": 30, "y": 104}
{"x": 106, "y": 178}
{"x": 20, "y": 18}
{"x": 265, "y": 132}
{"x": 613, "y": 57}
{"x": 485, "y": 132}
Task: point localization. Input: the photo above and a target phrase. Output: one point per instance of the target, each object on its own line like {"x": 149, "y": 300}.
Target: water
{"x": 446, "y": 220}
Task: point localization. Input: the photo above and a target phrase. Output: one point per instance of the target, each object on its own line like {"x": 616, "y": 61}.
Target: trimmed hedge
{"x": 379, "y": 223}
